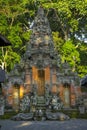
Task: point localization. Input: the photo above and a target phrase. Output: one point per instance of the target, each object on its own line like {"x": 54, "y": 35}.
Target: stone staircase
{"x": 40, "y": 108}
{"x": 41, "y": 104}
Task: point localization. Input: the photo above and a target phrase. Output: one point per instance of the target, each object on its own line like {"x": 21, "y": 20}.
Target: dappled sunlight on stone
{"x": 24, "y": 124}
{"x": 42, "y": 84}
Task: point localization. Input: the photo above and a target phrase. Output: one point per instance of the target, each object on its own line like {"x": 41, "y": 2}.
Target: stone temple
{"x": 41, "y": 81}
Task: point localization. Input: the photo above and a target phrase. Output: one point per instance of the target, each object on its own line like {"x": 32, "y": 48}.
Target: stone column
{"x": 28, "y": 78}
{"x": 51, "y": 72}
{"x": 2, "y": 101}
{"x": 53, "y": 78}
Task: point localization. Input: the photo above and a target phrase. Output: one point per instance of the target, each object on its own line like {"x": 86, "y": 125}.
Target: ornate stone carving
{"x": 40, "y": 53}
{"x": 56, "y": 103}
{"x": 25, "y": 103}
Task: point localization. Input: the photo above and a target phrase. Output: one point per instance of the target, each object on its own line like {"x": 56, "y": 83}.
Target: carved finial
{"x": 40, "y": 10}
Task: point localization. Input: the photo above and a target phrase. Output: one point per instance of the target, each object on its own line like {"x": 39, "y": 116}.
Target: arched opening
{"x": 18, "y": 93}
{"x": 66, "y": 94}
{"x": 16, "y": 96}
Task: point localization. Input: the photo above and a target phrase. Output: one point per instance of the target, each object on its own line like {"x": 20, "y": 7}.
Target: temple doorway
{"x": 38, "y": 77}
{"x": 66, "y": 94}
{"x": 41, "y": 82}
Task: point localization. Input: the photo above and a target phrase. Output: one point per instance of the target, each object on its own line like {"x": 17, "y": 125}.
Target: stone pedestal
{"x": 2, "y": 105}
{"x": 81, "y": 109}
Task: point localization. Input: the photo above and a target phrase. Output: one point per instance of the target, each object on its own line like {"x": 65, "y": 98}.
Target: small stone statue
{"x": 34, "y": 89}
{"x": 34, "y": 100}
{"x": 56, "y": 103}
{"x": 2, "y": 101}
{"x": 34, "y": 97}
{"x": 47, "y": 89}
{"x": 40, "y": 113}
{"x": 47, "y": 99}
{"x": 25, "y": 103}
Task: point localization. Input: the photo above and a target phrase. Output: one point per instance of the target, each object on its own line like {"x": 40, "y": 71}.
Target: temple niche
{"x": 41, "y": 75}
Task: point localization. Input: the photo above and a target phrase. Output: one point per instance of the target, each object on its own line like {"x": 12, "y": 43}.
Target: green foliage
{"x": 9, "y": 58}
{"x": 14, "y": 58}
{"x": 70, "y": 54}
{"x": 14, "y": 25}
{"x": 74, "y": 114}
{"x": 82, "y": 67}
{"x": 69, "y": 15}
{"x": 69, "y": 19}
{"x": 58, "y": 41}
{"x": 8, "y": 115}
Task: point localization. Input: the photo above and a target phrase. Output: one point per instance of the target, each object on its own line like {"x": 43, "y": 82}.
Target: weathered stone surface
{"x": 56, "y": 116}
{"x": 31, "y": 72}
{"x": 22, "y": 116}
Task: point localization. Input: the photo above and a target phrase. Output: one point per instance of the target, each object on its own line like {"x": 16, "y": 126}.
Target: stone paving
{"x": 73, "y": 124}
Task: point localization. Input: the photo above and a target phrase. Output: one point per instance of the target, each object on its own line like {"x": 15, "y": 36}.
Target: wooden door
{"x": 41, "y": 82}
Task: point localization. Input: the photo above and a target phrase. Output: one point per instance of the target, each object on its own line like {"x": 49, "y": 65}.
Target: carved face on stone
{"x": 38, "y": 40}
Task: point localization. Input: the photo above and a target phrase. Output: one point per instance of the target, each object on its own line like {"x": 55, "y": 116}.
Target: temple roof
{"x": 84, "y": 81}
{"x": 2, "y": 75}
{"x": 41, "y": 32}
{"x": 4, "y": 41}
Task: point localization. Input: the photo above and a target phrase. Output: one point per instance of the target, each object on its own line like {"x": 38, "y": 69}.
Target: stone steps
{"x": 41, "y": 103}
